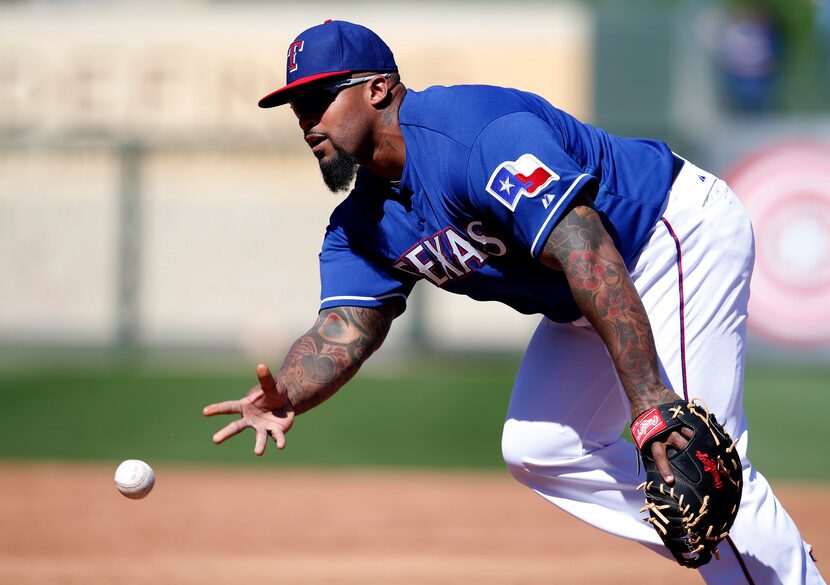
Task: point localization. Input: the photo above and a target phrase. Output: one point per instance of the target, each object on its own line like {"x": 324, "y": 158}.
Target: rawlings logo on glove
{"x": 696, "y": 513}
{"x": 647, "y": 425}
{"x": 709, "y": 466}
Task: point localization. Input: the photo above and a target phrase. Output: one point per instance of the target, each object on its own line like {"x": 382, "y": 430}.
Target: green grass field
{"x": 431, "y": 413}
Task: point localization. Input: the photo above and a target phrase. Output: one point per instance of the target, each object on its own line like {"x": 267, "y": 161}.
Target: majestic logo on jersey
{"x": 513, "y": 179}
{"x": 447, "y": 255}
{"x": 293, "y": 49}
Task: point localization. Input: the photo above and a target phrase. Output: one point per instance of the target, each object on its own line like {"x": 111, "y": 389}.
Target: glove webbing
{"x": 719, "y": 462}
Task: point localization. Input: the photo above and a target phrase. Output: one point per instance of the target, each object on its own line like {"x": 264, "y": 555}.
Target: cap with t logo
{"x": 328, "y": 52}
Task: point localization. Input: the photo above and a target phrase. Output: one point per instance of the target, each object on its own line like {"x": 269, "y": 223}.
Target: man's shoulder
{"x": 446, "y": 94}
{"x": 460, "y": 112}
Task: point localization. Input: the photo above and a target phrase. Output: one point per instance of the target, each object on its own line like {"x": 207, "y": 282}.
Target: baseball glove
{"x": 695, "y": 514}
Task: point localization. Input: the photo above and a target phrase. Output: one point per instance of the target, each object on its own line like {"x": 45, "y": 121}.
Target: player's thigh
{"x": 567, "y": 399}
{"x": 694, "y": 280}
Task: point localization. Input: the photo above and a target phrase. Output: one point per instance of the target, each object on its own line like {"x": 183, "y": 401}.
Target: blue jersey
{"x": 489, "y": 172}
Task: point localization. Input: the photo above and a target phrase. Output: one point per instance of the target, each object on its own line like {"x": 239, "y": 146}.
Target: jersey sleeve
{"x": 520, "y": 172}
{"x": 349, "y": 278}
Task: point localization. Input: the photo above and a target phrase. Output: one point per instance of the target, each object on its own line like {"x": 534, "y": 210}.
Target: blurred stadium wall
{"x": 145, "y": 201}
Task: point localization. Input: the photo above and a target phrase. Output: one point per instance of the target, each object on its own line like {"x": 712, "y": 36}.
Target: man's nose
{"x": 307, "y": 121}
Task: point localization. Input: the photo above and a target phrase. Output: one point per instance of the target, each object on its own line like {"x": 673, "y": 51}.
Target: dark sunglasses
{"x": 319, "y": 98}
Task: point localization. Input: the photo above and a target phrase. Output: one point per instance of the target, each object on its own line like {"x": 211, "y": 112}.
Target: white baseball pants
{"x": 567, "y": 411}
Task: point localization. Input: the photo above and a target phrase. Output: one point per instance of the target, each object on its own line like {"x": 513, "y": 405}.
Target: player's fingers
{"x": 266, "y": 379}
{"x": 269, "y": 384}
{"x": 230, "y": 430}
{"x": 279, "y": 438}
{"x": 228, "y": 407}
{"x": 658, "y": 451}
{"x": 677, "y": 440}
{"x": 261, "y": 442}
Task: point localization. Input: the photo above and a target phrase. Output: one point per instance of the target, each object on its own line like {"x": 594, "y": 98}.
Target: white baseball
{"x": 134, "y": 478}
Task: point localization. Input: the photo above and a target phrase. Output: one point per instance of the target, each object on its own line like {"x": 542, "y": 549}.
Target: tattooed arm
{"x": 581, "y": 247}
{"x": 325, "y": 358}
{"x": 317, "y": 365}
{"x": 599, "y": 281}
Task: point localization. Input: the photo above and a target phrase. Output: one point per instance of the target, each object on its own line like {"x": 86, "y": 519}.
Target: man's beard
{"x": 339, "y": 172}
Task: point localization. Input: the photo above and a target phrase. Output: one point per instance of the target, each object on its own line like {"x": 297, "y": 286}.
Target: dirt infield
{"x": 62, "y": 524}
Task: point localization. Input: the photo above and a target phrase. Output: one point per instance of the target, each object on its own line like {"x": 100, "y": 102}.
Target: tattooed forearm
{"x": 332, "y": 351}
{"x": 602, "y": 288}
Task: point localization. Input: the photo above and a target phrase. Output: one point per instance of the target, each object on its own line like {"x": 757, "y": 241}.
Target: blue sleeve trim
{"x": 348, "y": 300}
{"x": 539, "y": 241}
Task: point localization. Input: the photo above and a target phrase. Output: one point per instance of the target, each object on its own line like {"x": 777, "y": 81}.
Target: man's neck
{"x": 390, "y": 150}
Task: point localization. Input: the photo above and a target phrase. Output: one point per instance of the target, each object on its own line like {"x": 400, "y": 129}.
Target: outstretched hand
{"x": 265, "y": 408}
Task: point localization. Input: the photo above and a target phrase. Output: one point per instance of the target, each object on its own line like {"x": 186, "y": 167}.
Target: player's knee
{"x": 530, "y": 448}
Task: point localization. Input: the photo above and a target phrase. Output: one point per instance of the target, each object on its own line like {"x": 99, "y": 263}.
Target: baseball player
{"x": 638, "y": 262}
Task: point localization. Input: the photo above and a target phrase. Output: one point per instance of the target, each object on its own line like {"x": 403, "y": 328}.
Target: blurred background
{"x": 159, "y": 232}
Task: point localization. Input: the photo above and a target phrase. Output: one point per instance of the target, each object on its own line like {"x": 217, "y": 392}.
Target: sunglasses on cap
{"x": 318, "y": 99}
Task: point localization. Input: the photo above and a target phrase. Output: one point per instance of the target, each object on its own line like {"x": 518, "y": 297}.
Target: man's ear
{"x": 380, "y": 91}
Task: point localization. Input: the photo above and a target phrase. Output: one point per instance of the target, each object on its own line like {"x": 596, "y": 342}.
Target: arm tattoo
{"x": 324, "y": 359}
{"x": 602, "y": 288}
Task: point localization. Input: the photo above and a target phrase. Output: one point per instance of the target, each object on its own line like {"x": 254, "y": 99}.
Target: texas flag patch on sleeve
{"x": 526, "y": 176}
